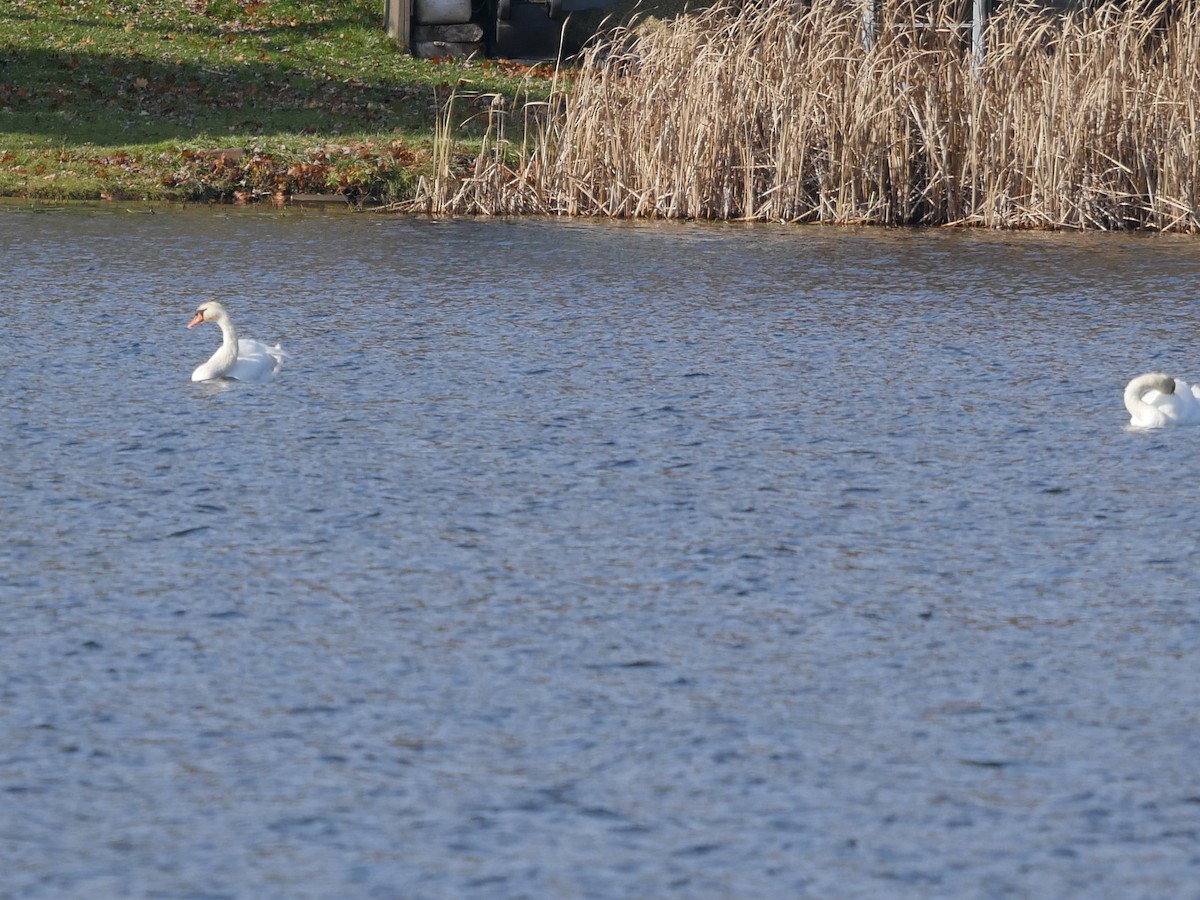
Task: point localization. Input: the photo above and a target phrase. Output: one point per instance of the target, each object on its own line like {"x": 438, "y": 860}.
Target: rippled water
{"x": 593, "y": 560}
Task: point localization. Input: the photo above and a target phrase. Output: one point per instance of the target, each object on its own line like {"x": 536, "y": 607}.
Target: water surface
{"x": 592, "y": 560}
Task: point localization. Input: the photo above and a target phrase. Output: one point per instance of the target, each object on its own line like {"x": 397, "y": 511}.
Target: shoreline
{"x": 743, "y": 113}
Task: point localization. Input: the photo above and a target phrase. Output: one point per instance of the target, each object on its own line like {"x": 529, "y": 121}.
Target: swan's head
{"x": 207, "y": 312}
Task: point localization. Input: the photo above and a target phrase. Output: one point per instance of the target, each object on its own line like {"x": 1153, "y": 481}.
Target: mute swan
{"x": 1155, "y": 399}
{"x": 245, "y": 359}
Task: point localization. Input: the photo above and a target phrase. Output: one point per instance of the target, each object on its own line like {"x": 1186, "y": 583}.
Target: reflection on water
{"x": 593, "y": 560}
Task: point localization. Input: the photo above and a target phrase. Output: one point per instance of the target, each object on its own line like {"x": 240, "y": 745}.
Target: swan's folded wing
{"x": 256, "y": 360}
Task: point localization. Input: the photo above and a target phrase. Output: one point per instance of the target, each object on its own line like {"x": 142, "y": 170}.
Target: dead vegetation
{"x": 776, "y": 110}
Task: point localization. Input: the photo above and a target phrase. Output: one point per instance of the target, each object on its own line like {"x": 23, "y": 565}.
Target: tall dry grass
{"x": 775, "y": 110}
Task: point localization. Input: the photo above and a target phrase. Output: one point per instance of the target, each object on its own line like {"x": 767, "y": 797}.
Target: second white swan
{"x": 244, "y": 359}
{"x": 1156, "y": 399}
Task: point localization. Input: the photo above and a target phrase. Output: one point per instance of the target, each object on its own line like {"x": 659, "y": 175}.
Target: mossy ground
{"x": 220, "y": 99}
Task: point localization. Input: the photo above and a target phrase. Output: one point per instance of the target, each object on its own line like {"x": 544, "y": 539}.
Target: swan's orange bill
{"x": 197, "y": 319}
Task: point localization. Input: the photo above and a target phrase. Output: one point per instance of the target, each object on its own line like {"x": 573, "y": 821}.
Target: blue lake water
{"x": 594, "y": 560}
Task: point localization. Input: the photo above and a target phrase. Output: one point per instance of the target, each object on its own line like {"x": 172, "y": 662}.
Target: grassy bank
{"x": 221, "y": 99}
{"x": 753, "y": 109}
{"x": 772, "y": 110}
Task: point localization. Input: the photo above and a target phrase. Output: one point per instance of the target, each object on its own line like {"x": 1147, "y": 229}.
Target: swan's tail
{"x": 276, "y": 353}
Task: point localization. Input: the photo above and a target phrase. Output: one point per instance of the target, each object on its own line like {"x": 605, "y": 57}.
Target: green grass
{"x": 104, "y": 99}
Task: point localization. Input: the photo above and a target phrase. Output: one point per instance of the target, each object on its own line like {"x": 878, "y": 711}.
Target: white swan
{"x": 245, "y": 359}
{"x": 1155, "y": 400}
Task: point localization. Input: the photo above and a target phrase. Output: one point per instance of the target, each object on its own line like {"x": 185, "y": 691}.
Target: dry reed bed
{"x": 772, "y": 110}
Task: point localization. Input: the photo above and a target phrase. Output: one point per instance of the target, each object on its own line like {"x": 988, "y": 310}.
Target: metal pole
{"x": 868, "y": 24}
{"x": 978, "y": 39}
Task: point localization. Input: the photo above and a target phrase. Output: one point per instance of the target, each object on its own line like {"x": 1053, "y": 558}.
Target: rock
{"x": 463, "y": 33}
{"x": 442, "y": 49}
{"x": 442, "y": 12}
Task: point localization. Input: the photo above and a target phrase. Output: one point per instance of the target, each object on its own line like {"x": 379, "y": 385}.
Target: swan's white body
{"x": 1155, "y": 400}
{"x": 244, "y": 359}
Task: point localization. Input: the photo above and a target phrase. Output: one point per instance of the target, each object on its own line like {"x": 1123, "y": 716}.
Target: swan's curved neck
{"x": 228, "y": 332}
{"x": 1136, "y": 389}
{"x": 221, "y": 361}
